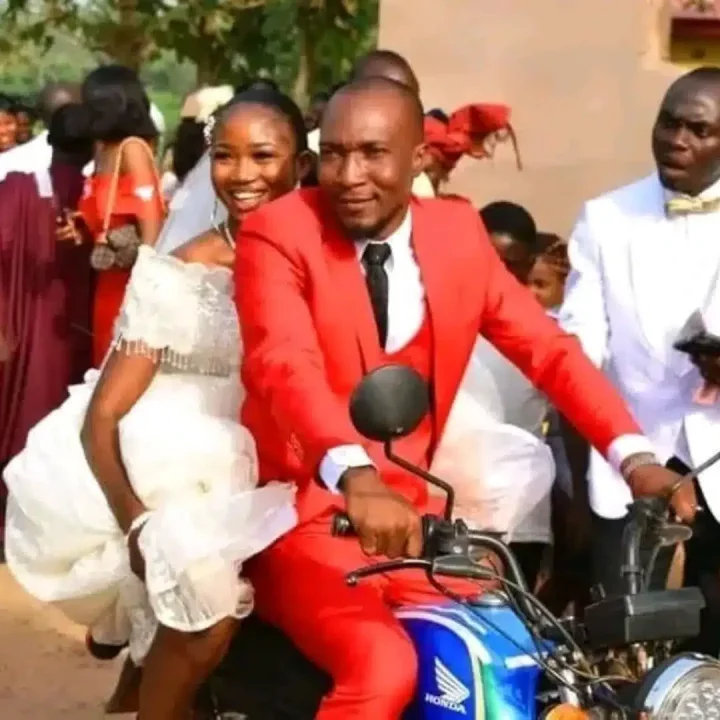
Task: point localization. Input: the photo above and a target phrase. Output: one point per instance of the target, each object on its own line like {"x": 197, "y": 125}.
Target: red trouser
{"x": 350, "y": 632}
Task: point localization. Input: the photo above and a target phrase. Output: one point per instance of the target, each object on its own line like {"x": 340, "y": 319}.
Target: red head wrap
{"x": 468, "y": 132}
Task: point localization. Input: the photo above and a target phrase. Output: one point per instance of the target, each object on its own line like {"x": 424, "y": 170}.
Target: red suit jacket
{"x": 309, "y": 334}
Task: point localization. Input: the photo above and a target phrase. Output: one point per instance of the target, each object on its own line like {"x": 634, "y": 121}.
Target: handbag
{"x": 118, "y": 247}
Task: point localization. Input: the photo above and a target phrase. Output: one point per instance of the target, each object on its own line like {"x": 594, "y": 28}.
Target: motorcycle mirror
{"x": 389, "y": 403}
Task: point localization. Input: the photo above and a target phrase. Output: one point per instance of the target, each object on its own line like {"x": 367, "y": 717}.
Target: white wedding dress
{"x": 188, "y": 459}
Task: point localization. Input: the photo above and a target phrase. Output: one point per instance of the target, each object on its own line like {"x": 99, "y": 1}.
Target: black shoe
{"x": 102, "y": 651}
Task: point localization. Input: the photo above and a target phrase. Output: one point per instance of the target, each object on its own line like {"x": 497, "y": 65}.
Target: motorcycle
{"x": 502, "y": 655}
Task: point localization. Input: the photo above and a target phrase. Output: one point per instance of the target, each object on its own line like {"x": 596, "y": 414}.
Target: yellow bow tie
{"x": 686, "y": 205}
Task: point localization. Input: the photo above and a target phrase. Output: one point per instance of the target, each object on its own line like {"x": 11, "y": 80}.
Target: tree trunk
{"x": 206, "y": 65}
{"x": 306, "y": 65}
{"x": 205, "y": 75}
{"x": 125, "y": 56}
{"x": 128, "y": 42}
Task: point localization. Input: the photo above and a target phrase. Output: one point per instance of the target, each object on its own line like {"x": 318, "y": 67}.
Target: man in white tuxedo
{"x": 644, "y": 258}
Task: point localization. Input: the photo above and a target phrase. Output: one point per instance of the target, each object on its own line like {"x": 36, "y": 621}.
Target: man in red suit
{"x": 333, "y": 282}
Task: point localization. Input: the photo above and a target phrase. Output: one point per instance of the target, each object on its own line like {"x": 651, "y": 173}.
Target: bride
{"x": 134, "y": 504}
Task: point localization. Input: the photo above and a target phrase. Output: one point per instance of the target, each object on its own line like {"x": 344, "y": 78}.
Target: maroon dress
{"x": 44, "y": 304}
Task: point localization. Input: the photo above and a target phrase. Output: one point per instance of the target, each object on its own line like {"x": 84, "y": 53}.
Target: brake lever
{"x": 354, "y": 577}
{"x": 691, "y": 474}
{"x": 449, "y": 565}
{"x": 694, "y": 472}
{"x": 460, "y": 566}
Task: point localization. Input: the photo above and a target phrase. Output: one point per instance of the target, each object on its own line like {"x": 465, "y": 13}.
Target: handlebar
{"x": 433, "y": 528}
{"x": 644, "y": 515}
{"x": 446, "y": 551}
{"x": 649, "y": 515}
{"x": 447, "y": 547}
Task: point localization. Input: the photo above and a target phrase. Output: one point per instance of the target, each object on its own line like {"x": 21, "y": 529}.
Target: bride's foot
{"x": 126, "y": 697}
{"x": 102, "y": 651}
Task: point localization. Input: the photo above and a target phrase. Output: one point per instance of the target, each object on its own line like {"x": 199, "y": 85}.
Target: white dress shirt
{"x": 406, "y": 312}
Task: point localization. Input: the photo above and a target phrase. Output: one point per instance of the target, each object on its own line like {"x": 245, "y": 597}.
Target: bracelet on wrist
{"x": 637, "y": 461}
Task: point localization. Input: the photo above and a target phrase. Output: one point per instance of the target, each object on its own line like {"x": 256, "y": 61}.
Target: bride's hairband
{"x": 209, "y": 129}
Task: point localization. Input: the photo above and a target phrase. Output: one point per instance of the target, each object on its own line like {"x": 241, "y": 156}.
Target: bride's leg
{"x": 126, "y": 696}
{"x": 177, "y": 665}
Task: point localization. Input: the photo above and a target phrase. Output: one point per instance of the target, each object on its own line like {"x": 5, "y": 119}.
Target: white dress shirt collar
{"x": 399, "y": 241}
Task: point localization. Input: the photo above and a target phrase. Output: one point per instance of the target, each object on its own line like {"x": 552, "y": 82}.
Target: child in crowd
{"x": 549, "y": 271}
{"x": 547, "y": 281}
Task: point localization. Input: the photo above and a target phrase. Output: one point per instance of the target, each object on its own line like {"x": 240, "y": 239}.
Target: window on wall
{"x": 694, "y": 32}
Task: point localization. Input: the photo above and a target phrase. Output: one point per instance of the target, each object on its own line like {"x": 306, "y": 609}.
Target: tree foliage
{"x": 305, "y": 45}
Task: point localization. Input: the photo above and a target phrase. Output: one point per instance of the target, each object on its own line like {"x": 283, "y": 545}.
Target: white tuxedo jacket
{"x": 636, "y": 278}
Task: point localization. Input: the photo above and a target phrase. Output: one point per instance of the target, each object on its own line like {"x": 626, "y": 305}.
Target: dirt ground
{"x": 45, "y": 671}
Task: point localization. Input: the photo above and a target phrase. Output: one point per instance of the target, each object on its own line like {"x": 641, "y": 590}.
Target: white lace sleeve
{"x": 180, "y": 314}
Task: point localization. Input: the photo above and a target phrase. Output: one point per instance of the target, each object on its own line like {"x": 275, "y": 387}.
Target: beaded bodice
{"x": 180, "y": 313}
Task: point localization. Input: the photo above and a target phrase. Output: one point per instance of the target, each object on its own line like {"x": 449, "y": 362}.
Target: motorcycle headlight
{"x": 686, "y": 687}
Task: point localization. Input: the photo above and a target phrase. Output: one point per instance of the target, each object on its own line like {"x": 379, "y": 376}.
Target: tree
{"x": 117, "y": 29}
{"x": 304, "y": 44}
{"x": 318, "y": 39}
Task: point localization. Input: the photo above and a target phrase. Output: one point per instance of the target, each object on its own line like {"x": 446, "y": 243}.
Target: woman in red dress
{"x": 124, "y": 192}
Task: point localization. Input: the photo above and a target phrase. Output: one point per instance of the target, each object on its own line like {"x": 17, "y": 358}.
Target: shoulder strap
{"x": 115, "y": 179}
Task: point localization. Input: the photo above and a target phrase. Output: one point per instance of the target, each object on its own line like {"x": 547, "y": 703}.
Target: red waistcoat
{"x": 314, "y": 499}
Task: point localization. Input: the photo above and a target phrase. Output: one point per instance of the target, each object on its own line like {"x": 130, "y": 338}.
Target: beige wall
{"x": 583, "y": 78}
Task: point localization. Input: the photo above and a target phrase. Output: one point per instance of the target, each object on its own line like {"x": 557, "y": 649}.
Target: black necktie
{"x": 373, "y": 260}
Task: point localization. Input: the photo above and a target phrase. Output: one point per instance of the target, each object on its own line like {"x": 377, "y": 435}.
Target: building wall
{"x": 583, "y": 78}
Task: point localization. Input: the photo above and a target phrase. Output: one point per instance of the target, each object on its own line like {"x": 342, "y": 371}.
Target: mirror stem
{"x": 426, "y": 476}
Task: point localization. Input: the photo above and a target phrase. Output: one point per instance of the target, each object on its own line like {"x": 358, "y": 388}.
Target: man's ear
{"x": 304, "y": 164}
{"x": 419, "y": 159}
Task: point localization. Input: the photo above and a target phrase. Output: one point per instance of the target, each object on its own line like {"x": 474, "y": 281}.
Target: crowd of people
{"x": 212, "y": 303}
